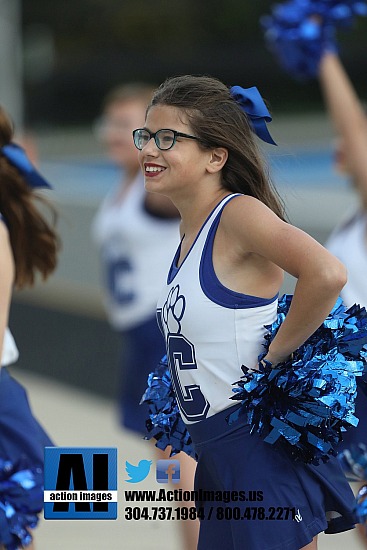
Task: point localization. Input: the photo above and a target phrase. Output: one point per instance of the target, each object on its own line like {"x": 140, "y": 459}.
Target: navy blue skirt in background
{"x": 22, "y": 443}
{"x": 231, "y": 459}
{"x": 21, "y": 436}
{"x": 143, "y": 348}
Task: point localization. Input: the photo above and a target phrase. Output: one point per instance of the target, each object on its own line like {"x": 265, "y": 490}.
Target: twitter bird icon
{"x": 139, "y": 472}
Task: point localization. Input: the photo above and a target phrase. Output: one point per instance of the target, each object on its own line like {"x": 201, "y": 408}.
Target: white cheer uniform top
{"x": 210, "y": 330}
{"x": 10, "y": 351}
{"x": 136, "y": 249}
{"x": 348, "y": 242}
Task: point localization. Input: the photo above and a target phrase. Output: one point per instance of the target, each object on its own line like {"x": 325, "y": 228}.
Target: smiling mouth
{"x": 151, "y": 170}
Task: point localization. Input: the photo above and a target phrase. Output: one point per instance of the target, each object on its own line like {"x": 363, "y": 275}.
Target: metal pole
{"x": 11, "y": 77}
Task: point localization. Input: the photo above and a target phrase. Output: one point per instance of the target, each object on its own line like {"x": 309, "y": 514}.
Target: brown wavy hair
{"x": 218, "y": 121}
{"x": 33, "y": 239}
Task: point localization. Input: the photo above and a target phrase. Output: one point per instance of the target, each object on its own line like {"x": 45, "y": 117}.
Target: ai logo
{"x": 80, "y": 483}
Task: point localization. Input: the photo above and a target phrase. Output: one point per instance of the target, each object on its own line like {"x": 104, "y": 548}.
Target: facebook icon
{"x": 168, "y": 470}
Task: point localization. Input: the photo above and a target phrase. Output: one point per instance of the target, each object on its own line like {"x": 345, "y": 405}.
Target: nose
{"x": 150, "y": 148}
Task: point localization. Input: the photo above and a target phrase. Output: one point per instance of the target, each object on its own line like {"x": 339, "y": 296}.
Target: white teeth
{"x": 153, "y": 169}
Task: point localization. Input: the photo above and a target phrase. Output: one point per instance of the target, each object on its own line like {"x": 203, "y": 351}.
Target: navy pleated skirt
{"x": 21, "y": 435}
{"x": 288, "y": 502}
{"x": 22, "y": 443}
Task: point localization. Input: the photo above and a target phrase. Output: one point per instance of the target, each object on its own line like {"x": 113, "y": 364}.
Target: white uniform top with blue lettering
{"x": 136, "y": 249}
{"x": 210, "y": 330}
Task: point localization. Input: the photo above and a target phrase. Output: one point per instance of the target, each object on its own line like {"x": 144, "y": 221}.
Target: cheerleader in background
{"x": 349, "y": 239}
{"x": 314, "y": 55}
{"x": 28, "y": 245}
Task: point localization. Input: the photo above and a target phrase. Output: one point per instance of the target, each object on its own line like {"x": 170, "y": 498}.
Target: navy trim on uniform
{"x": 215, "y": 426}
{"x": 174, "y": 269}
{"x": 213, "y": 288}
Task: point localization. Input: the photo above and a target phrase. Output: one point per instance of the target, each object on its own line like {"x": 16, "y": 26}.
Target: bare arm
{"x": 6, "y": 280}
{"x": 255, "y": 229}
{"x": 348, "y": 118}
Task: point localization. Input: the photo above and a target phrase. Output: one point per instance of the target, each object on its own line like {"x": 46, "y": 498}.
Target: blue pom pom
{"x": 165, "y": 424}
{"x": 21, "y": 500}
{"x": 307, "y": 402}
{"x": 298, "y": 32}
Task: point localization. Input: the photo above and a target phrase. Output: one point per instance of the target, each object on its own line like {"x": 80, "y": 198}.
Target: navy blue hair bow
{"x": 253, "y": 105}
{"x": 18, "y": 158}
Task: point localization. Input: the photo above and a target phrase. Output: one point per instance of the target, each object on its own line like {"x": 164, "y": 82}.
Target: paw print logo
{"x": 173, "y": 310}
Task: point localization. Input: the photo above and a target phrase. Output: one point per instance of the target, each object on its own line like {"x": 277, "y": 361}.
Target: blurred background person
{"x": 348, "y": 241}
{"x": 307, "y": 48}
{"x": 28, "y": 246}
{"x": 136, "y": 233}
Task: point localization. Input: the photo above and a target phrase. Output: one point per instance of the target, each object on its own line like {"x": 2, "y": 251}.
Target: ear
{"x": 218, "y": 158}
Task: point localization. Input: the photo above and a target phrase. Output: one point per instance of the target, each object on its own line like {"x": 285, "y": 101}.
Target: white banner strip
{"x": 80, "y": 496}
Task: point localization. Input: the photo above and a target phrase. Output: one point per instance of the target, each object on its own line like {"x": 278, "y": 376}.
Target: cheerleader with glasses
{"x": 218, "y": 306}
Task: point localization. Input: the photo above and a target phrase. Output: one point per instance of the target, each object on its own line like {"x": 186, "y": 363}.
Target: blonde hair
{"x": 127, "y": 92}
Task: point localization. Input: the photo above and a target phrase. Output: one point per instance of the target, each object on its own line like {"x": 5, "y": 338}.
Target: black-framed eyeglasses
{"x": 164, "y": 139}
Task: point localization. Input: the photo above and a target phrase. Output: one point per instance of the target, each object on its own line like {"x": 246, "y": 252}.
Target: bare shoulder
{"x": 252, "y": 227}
{"x": 246, "y": 211}
{"x": 248, "y": 204}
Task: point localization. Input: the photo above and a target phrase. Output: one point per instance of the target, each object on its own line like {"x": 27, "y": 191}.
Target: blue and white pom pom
{"x": 298, "y": 32}
{"x": 165, "y": 424}
{"x": 306, "y": 403}
{"x": 21, "y": 500}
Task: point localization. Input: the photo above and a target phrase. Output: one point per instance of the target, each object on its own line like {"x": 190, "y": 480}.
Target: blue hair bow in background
{"x": 18, "y": 158}
{"x": 253, "y": 105}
